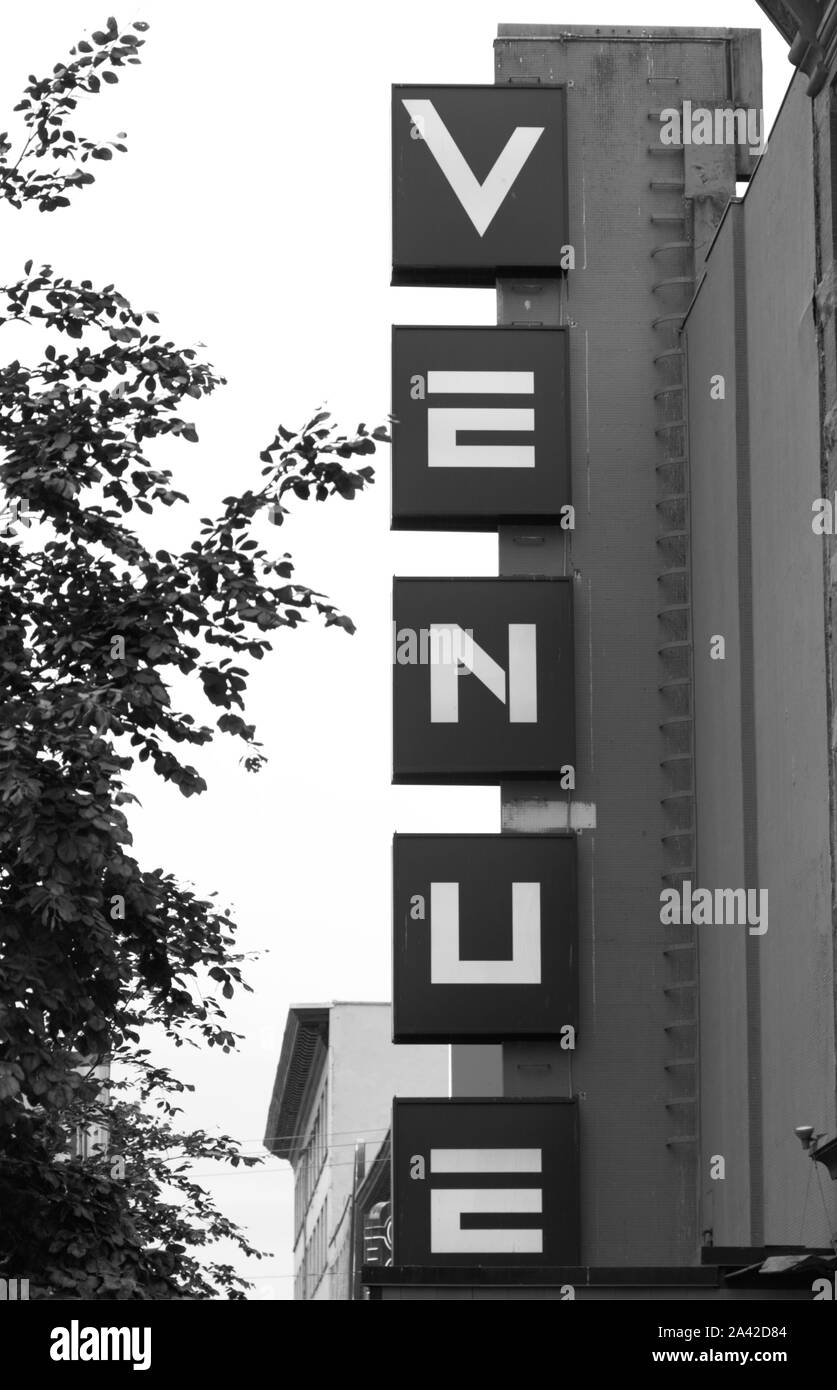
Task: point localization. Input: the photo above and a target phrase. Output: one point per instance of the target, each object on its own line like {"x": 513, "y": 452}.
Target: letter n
{"x": 522, "y": 697}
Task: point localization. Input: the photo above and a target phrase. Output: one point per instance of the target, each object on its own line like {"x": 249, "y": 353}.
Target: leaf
{"x": 341, "y": 620}
{"x": 9, "y": 1086}
{"x": 103, "y": 153}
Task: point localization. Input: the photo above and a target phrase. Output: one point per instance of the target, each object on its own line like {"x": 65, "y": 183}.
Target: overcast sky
{"x": 252, "y": 212}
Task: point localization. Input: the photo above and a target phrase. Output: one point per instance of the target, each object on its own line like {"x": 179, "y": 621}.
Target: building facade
{"x": 760, "y": 447}
{"x": 703, "y": 388}
{"x": 329, "y": 1117}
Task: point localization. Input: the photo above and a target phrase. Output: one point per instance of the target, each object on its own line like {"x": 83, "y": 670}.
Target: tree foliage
{"x": 47, "y": 104}
{"x": 121, "y": 1222}
{"x": 95, "y": 627}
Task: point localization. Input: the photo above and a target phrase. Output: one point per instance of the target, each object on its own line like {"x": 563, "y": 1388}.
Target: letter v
{"x": 481, "y": 201}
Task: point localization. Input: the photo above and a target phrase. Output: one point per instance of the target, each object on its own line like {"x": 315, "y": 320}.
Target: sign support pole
{"x": 524, "y": 1068}
{"x": 534, "y": 1068}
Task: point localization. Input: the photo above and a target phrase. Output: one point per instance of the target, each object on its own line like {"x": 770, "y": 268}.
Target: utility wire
{"x": 233, "y": 1172}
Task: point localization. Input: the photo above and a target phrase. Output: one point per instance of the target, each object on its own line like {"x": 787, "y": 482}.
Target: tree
{"x": 125, "y": 1222}
{"x": 94, "y": 946}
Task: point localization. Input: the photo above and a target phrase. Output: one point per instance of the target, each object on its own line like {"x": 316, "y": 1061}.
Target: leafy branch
{"x": 48, "y": 104}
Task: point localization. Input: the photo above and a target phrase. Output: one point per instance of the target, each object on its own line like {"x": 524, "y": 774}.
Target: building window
{"x": 314, "y": 1260}
{"x": 318, "y": 1251}
{"x": 311, "y": 1162}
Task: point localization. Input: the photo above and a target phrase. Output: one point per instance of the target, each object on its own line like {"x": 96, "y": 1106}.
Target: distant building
{"x": 329, "y": 1117}
{"x": 89, "y": 1139}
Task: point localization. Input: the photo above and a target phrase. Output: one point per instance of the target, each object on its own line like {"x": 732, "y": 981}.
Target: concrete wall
{"x": 797, "y": 974}
{"x": 638, "y": 1189}
{"x": 724, "y": 1072}
{"x": 761, "y": 747}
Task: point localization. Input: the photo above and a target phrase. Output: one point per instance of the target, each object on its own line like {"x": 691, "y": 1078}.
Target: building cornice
{"x": 810, "y": 27}
{"x": 305, "y": 1029}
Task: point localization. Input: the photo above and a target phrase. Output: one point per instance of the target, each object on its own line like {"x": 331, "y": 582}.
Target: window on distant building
{"x": 311, "y": 1162}
{"x": 316, "y": 1254}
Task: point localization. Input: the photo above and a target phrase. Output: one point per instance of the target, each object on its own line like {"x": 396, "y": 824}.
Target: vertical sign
{"x": 485, "y": 934}
{"x": 479, "y": 183}
{"x": 483, "y": 679}
{"x": 485, "y": 1182}
{"x": 485, "y": 938}
{"x": 481, "y": 426}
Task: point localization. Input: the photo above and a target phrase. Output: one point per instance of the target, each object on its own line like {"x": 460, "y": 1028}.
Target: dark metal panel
{"x": 438, "y": 999}
{"x": 488, "y": 1182}
{"x": 501, "y": 391}
{"x": 448, "y": 725}
{"x": 479, "y": 183}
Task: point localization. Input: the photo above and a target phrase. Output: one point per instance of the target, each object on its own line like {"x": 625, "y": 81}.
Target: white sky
{"x": 253, "y": 213}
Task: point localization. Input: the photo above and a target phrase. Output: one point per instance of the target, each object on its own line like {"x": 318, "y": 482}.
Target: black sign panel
{"x": 485, "y": 1182}
{"x": 485, "y": 937}
{"x": 483, "y": 679}
{"x": 481, "y": 432}
{"x": 479, "y": 183}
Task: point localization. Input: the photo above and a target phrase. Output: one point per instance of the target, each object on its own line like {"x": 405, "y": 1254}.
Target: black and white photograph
{"x": 418, "y": 674}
